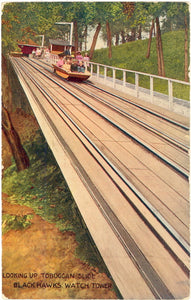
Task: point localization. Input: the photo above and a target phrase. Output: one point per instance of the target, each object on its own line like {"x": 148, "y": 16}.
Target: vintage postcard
{"x": 95, "y": 150}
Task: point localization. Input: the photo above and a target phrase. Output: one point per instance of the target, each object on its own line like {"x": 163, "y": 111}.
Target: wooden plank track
{"x": 145, "y": 244}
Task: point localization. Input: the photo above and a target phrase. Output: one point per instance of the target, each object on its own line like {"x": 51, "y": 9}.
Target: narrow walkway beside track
{"x": 127, "y": 166}
{"x": 180, "y": 106}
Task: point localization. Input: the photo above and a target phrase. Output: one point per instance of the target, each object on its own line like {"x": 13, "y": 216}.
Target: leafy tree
{"x": 139, "y": 14}
{"x": 81, "y": 14}
{"x": 155, "y": 11}
{"x": 92, "y": 48}
{"x": 150, "y": 38}
{"x": 11, "y": 26}
{"x": 117, "y": 29}
{"x": 41, "y": 17}
{"x": 105, "y": 13}
{"x": 178, "y": 15}
{"x": 129, "y": 11}
{"x": 21, "y": 20}
{"x": 27, "y": 19}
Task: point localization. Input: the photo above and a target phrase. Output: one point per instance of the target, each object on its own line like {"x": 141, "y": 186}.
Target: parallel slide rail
{"x": 172, "y": 164}
{"x": 123, "y": 99}
{"x": 153, "y": 129}
{"x": 152, "y": 209}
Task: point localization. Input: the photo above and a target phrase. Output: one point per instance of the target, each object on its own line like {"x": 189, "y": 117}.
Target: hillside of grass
{"x": 132, "y": 55}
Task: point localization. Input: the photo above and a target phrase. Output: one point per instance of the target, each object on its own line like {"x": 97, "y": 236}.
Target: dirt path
{"x": 42, "y": 248}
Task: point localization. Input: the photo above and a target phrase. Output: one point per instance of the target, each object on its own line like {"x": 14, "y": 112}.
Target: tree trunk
{"x": 161, "y": 69}
{"x": 186, "y": 50}
{"x": 158, "y": 51}
{"x": 109, "y": 39}
{"x": 150, "y": 39}
{"x": 85, "y": 37}
{"x": 19, "y": 154}
{"x": 161, "y": 53}
{"x": 94, "y": 40}
{"x": 154, "y": 31}
{"x": 123, "y": 37}
{"x": 140, "y": 32}
{"x": 133, "y": 34}
{"x": 76, "y": 35}
{"x": 117, "y": 39}
{"x": 6, "y": 89}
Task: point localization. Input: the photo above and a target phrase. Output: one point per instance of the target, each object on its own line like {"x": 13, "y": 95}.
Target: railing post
{"x": 105, "y": 73}
{"x": 170, "y": 94}
{"x": 137, "y": 84}
{"x": 113, "y": 77}
{"x": 151, "y": 89}
{"x": 97, "y": 71}
{"x": 124, "y": 78}
{"x": 124, "y": 81}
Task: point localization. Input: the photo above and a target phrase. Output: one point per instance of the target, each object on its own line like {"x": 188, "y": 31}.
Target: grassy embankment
{"x": 132, "y": 56}
{"x": 43, "y": 188}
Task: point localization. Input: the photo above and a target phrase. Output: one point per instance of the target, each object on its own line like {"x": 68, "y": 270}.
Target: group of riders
{"x": 74, "y": 63}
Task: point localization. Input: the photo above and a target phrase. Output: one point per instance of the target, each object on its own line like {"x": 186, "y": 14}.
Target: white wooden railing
{"x": 105, "y": 77}
{"x": 113, "y": 80}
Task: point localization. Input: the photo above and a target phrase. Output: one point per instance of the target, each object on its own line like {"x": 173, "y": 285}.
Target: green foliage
{"x": 15, "y": 222}
{"x": 43, "y": 188}
{"x": 24, "y": 20}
